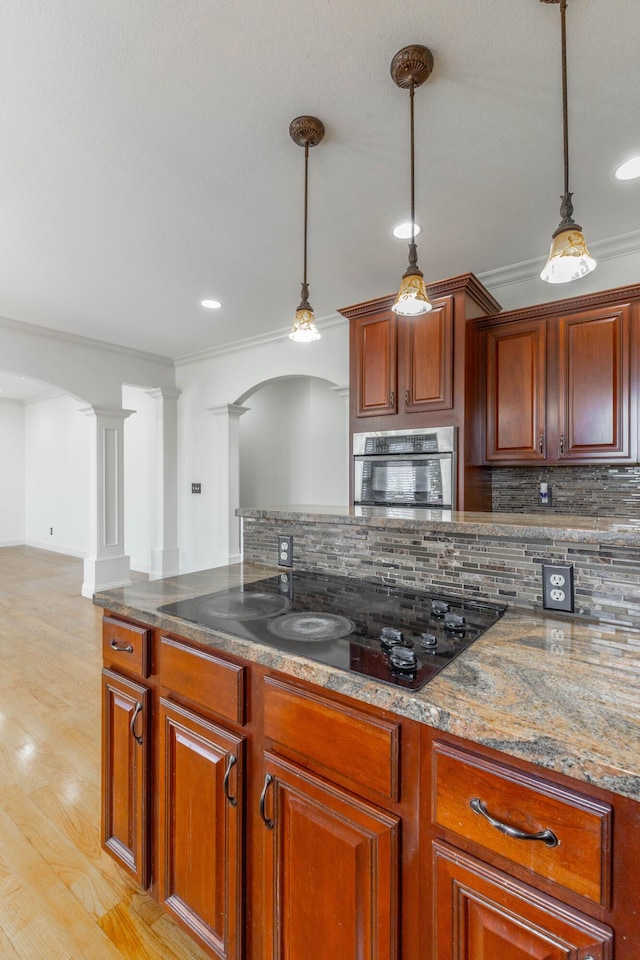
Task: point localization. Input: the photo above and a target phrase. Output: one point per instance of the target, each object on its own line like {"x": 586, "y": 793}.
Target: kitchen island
{"x": 495, "y": 808}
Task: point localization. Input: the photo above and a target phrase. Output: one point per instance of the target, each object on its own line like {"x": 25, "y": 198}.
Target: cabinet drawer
{"x": 126, "y": 646}
{"x": 348, "y": 747}
{"x": 203, "y": 678}
{"x": 580, "y": 861}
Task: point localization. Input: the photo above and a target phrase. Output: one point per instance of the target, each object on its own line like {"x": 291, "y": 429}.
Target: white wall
{"x": 294, "y": 445}
{"x": 12, "y": 477}
{"x": 57, "y": 475}
{"x": 232, "y": 376}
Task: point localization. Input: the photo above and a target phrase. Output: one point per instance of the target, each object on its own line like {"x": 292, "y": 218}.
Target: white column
{"x": 164, "y": 494}
{"x": 107, "y": 565}
{"x": 228, "y": 471}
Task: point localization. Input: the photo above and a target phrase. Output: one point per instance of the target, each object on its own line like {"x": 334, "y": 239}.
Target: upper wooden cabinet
{"x": 562, "y": 382}
{"x": 404, "y": 367}
{"x": 403, "y": 364}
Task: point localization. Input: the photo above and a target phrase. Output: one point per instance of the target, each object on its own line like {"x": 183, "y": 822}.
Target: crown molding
{"x": 60, "y": 336}
{"x": 275, "y": 336}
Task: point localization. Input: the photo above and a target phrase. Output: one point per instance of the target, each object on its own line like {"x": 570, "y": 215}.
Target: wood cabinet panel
{"x": 594, "y": 397}
{"x": 581, "y": 859}
{"x": 201, "y": 769}
{"x": 426, "y": 358}
{"x": 329, "y": 737}
{"x": 125, "y": 774}
{"x": 374, "y": 349}
{"x": 516, "y": 392}
{"x": 482, "y": 914}
{"x": 331, "y": 872}
{"x": 126, "y": 646}
{"x": 204, "y": 678}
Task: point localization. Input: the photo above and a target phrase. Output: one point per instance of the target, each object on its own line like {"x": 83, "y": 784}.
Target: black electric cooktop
{"x": 396, "y": 635}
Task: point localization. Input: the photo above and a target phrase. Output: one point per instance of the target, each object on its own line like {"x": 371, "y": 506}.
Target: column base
{"x": 104, "y": 573}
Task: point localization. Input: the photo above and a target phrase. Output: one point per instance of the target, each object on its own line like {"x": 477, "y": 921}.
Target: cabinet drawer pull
{"x": 263, "y": 798}
{"x": 114, "y": 646}
{"x": 232, "y": 801}
{"x": 546, "y": 836}
{"x": 132, "y": 724}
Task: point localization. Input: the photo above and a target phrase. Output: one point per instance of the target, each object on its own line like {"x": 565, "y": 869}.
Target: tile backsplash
{"x": 494, "y": 566}
{"x": 600, "y": 491}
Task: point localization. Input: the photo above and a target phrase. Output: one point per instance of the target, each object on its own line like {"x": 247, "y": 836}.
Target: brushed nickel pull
{"x": 132, "y": 724}
{"x": 263, "y": 799}
{"x": 562, "y": 443}
{"x": 546, "y": 836}
{"x": 232, "y": 801}
{"x": 114, "y": 646}
{"x": 541, "y": 443}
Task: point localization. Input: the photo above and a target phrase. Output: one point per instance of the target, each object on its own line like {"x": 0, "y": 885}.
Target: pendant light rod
{"x": 565, "y": 111}
{"x": 412, "y": 87}
{"x": 305, "y": 292}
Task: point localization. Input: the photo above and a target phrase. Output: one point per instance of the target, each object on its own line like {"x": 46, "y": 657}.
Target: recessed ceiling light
{"x": 403, "y": 231}
{"x": 628, "y": 170}
{"x": 211, "y": 304}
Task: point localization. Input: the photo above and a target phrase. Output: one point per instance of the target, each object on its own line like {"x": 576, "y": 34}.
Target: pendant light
{"x": 306, "y": 132}
{"x": 569, "y": 258}
{"x": 410, "y": 67}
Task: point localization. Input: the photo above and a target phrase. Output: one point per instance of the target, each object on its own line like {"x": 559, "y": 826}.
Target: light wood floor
{"x": 61, "y": 897}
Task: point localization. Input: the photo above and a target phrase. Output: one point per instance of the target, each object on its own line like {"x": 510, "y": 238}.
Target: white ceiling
{"x": 145, "y": 158}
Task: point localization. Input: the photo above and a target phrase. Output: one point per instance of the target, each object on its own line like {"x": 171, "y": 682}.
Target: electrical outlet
{"x": 285, "y": 550}
{"x": 557, "y": 586}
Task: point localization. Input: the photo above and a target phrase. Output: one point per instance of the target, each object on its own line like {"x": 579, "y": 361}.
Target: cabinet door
{"x": 331, "y": 871}
{"x": 125, "y": 774}
{"x": 516, "y": 391}
{"x": 426, "y": 359}
{"x": 482, "y": 914}
{"x": 594, "y": 394}
{"x": 200, "y": 828}
{"x": 374, "y": 364}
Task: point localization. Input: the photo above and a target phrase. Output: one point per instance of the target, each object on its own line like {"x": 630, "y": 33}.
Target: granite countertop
{"x": 561, "y": 693}
{"x": 570, "y": 529}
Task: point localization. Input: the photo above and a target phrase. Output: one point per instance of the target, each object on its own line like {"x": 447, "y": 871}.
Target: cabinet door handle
{"x": 407, "y": 398}
{"x": 546, "y": 836}
{"x": 232, "y": 801}
{"x": 114, "y": 646}
{"x": 132, "y": 724}
{"x": 263, "y": 799}
{"x": 392, "y": 399}
{"x": 541, "y": 443}
{"x": 562, "y": 443}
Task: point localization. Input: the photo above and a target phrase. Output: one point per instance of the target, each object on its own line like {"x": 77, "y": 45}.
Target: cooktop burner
{"x": 394, "y": 634}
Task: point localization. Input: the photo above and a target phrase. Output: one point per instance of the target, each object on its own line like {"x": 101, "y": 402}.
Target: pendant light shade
{"x": 410, "y": 67}
{"x": 568, "y": 258}
{"x": 306, "y": 132}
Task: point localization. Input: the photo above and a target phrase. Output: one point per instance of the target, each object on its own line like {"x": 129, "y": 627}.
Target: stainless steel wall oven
{"x": 410, "y": 468}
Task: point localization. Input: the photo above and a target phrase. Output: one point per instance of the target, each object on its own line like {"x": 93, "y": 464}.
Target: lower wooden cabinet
{"x": 481, "y": 913}
{"x": 200, "y": 837}
{"x": 126, "y": 800}
{"x": 331, "y": 871}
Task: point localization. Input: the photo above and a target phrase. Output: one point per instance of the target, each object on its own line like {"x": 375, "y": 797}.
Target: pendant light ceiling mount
{"x": 410, "y": 67}
{"x": 305, "y": 132}
{"x": 568, "y": 258}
